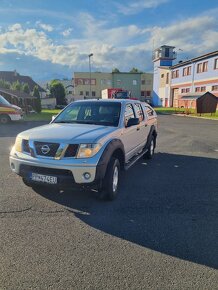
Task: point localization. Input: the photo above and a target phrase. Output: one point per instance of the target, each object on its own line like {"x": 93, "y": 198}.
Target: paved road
{"x": 161, "y": 233}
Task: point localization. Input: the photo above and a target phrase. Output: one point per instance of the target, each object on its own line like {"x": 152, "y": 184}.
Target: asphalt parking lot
{"x": 161, "y": 232}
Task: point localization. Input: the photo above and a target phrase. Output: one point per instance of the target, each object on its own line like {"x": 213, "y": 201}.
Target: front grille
{"x": 71, "y": 150}
{"x": 45, "y": 171}
{"x": 46, "y": 149}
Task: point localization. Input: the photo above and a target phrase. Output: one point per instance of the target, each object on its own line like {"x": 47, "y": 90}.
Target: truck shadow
{"x": 168, "y": 205}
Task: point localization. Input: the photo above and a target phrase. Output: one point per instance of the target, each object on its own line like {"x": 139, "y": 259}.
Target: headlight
{"x": 18, "y": 144}
{"x": 88, "y": 150}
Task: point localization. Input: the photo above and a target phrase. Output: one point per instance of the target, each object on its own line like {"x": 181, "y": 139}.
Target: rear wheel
{"x": 4, "y": 119}
{"x": 110, "y": 185}
{"x": 149, "y": 154}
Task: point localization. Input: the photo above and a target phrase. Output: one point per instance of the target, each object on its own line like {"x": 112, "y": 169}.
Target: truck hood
{"x": 68, "y": 133}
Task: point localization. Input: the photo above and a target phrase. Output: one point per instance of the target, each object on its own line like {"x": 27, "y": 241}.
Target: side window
{"x": 139, "y": 112}
{"x": 129, "y": 113}
{"x": 150, "y": 112}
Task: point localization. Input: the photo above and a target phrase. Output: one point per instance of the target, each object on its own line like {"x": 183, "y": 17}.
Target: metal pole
{"x": 90, "y": 74}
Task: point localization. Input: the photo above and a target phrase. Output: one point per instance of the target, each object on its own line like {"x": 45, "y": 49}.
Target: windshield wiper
{"x": 65, "y": 122}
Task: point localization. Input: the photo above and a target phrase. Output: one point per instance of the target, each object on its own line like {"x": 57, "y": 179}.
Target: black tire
{"x": 4, "y": 119}
{"x": 149, "y": 154}
{"x": 110, "y": 186}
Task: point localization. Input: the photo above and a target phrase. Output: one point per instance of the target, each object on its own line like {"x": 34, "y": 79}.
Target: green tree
{"x": 16, "y": 86}
{"x": 115, "y": 70}
{"x": 134, "y": 70}
{"x": 57, "y": 91}
{"x": 36, "y": 94}
{"x": 25, "y": 88}
{"x": 4, "y": 84}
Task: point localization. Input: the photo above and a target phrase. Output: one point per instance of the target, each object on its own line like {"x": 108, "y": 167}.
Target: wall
{"x": 128, "y": 81}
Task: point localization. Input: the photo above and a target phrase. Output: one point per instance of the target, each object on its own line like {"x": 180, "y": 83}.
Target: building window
{"x": 205, "y": 66}
{"x": 199, "y": 68}
{"x": 185, "y": 90}
{"x": 105, "y": 82}
{"x": 216, "y": 63}
{"x": 162, "y": 76}
{"x": 87, "y": 93}
{"x": 167, "y": 52}
{"x": 215, "y": 88}
{"x": 118, "y": 82}
{"x": 202, "y": 67}
{"x": 142, "y": 93}
{"x": 167, "y": 78}
{"x": 148, "y": 93}
{"x": 187, "y": 71}
{"x": 81, "y": 93}
{"x": 175, "y": 74}
{"x": 93, "y": 94}
{"x": 200, "y": 89}
{"x": 70, "y": 92}
{"x": 134, "y": 82}
{"x": 143, "y": 82}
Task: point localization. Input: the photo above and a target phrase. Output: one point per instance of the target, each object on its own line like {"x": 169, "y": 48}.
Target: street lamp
{"x": 90, "y": 55}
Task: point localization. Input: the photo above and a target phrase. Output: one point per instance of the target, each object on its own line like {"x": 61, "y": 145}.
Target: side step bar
{"x": 134, "y": 159}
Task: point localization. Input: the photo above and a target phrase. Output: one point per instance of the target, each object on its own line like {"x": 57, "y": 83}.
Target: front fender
{"x": 111, "y": 147}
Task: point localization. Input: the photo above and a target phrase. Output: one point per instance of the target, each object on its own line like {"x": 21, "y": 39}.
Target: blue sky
{"x": 49, "y": 39}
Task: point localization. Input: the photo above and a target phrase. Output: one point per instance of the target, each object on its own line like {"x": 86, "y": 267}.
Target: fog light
{"x": 12, "y": 166}
{"x": 87, "y": 175}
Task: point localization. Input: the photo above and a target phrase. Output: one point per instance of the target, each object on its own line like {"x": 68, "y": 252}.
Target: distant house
{"x": 202, "y": 102}
{"x": 13, "y": 76}
{"x": 21, "y": 99}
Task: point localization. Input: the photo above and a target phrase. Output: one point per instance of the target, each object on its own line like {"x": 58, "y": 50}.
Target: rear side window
{"x": 139, "y": 111}
{"x": 150, "y": 112}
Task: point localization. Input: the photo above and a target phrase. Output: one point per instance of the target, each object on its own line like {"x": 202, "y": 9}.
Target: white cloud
{"x": 122, "y": 47}
{"x": 46, "y": 27}
{"x": 136, "y": 6}
{"x": 67, "y": 32}
{"x": 193, "y": 35}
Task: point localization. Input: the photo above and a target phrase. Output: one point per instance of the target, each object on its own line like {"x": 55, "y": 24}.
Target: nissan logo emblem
{"x": 45, "y": 149}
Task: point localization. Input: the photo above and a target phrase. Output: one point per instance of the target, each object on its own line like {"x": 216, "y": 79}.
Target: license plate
{"x": 44, "y": 178}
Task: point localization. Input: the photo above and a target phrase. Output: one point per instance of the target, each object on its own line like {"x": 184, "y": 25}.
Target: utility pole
{"x": 90, "y": 74}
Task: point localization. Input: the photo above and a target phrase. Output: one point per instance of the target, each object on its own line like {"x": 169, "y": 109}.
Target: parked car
{"x": 9, "y": 112}
{"x": 87, "y": 144}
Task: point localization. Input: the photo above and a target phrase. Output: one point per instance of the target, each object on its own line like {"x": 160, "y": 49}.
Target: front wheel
{"x": 110, "y": 185}
{"x": 4, "y": 119}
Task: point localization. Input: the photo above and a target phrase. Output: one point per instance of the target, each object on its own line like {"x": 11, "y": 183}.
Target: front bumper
{"x": 16, "y": 117}
{"x": 66, "y": 173}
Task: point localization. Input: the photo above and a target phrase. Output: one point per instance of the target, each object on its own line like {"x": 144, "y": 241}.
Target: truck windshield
{"x": 97, "y": 113}
{"x": 4, "y": 102}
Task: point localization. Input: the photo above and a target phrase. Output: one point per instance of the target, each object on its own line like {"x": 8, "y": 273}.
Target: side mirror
{"x": 132, "y": 122}
{"x": 53, "y": 117}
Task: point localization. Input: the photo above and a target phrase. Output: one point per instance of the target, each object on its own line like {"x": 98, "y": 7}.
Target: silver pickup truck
{"x": 87, "y": 144}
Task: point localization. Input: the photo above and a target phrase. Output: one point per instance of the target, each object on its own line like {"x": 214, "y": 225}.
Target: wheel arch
{"x": 115, "y": 149}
